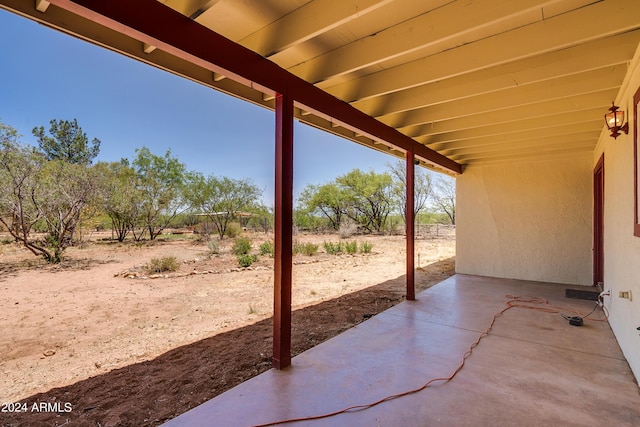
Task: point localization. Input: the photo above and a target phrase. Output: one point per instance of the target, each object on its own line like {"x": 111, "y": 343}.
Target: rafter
{"x": 462, "y": 17}
{"x": 588, "y": 82}
{"x": 463, "y": 79}
{"x": 523, "y": 138}
{"x": 604, "y": 19}
{"x": 533, "y": 152}
{"x": 306, "y": 22}
{"x": 589, "y": 101}
{"x": 584, "y": 118}
{"x": 193, "y": 44}
{"x": 513, "y": 162}
{"x": 576, "y": 59}
{"x": 42, "y": 5}
{"x": 190, "y": 8}
{"x": 530, "y": 147}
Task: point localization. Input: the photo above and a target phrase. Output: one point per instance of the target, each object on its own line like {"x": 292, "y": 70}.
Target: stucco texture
{"x": 529, "y": 220}
{"x": 621, "y": 247}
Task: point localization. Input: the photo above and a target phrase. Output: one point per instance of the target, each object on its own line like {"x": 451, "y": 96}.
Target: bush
{"x": 332, "y": 248}
{"x": 214, "y": 247}
{"x": 233, "y": 230}
{"x": 347, "y": 229}
{"x": 241, "y": 246}
{"x": 351, "y": 247}
{"x": 245, "y": 260}
{"x": 365, "y": 247}
{"x": 160, "y": 265}
{"x": 267, "y": 248}
{"x": 308, "y": 249}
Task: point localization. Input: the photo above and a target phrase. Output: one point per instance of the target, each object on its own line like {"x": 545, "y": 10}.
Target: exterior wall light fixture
{"x": 614, "y": 119}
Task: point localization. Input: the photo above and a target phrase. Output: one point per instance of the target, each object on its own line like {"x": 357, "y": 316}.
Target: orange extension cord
{"x": 525, "y": 301}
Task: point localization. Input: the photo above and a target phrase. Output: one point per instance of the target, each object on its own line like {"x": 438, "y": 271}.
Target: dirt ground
{"x": 95, "y": 342}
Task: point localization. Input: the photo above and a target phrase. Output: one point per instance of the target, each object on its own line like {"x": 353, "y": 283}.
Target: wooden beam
{"x": 217, "y": 77}
{"x": 147, "y": 48}
{"x": 510, "y": 158}
{"x": 417, "y": 33}
{"x": 571, "y": 61}
{"x": 177, "y": 35}
{"x": 409, "y": 216}
{"x": 584, "y": 117}
{"x": 535, "y": 147}
{"x": 191, "y": 8}
{"x": 513, "y": 139}
{"x": 597, "y": 100}
{"x": 308, "y": 21}
{"x": 42, "y": 5}
{"x": 599, "y": 20}
{"x": 283, "y": 238}
{"x": 587, "y": 82}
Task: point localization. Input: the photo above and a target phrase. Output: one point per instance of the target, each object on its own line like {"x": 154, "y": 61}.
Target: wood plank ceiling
{"x": 480, "y": 82}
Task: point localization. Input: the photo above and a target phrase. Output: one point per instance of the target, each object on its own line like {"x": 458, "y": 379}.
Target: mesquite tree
{"x": 327, "y": 199}
{"x": 221, "y": 199}
{"x": 363, "y": 197}
{"x": 444, "y": 197}
{"x": 50, "y": 194}
{"x": 422, "y": 187}
{"x": 368, "y": 198}
{"x": 119, "y": 198}
{"x": 159, "y": 184}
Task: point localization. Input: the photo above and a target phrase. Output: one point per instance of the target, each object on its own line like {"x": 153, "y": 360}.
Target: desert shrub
{"x": 5, "y": 241}
{"x": 172, "y": 237}
{"x": 351, "y": 247}
{"x": 204, "y": 229}
{"x": 233, "y": 230}
{"x": 160, "y": 265}
{"x": 200, "y": 239}
{"x": 214, "y": 247}
{"x": 308, "y": 249}
{"x": 245, "y": 260}
{"x": 241, "y": 246}
{"x": 347, "y": 229}
{"x": 267, "y": 248}
{"x": 332, "y": 248}
{"x": 365, "y": 247}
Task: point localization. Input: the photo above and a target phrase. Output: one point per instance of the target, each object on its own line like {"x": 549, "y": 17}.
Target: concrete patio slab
{"x": 533, "y": 369}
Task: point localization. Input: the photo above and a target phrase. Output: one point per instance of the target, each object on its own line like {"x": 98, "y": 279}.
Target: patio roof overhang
{"x": 457, "y": 82}
{"x": 449, "y": 83}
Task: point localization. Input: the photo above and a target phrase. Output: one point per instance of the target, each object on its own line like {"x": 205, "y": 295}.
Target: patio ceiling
{"x": 479, "y": 82}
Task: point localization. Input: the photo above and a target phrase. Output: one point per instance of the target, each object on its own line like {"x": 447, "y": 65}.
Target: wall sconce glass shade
{"x": 614, "y": 119}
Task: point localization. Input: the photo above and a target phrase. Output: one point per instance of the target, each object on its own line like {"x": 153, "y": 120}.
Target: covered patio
{"x": 532, "y": 369}
{"x": 508, "y": 97}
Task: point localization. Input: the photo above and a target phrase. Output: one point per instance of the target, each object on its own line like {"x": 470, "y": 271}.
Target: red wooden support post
{"x": 283, "y": 220}
{"x": 410, "y": 227}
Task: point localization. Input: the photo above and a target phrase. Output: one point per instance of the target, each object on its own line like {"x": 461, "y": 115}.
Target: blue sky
{"x": 48, "y": 75}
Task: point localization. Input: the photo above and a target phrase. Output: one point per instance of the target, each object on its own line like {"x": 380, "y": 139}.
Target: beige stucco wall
{"x": 527, "y": 220}
{"x": 533, "y": 220}
{"x": 621, "y": 247}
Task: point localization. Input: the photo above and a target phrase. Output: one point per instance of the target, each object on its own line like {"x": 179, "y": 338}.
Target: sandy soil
{"x": 111, "y": 350}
